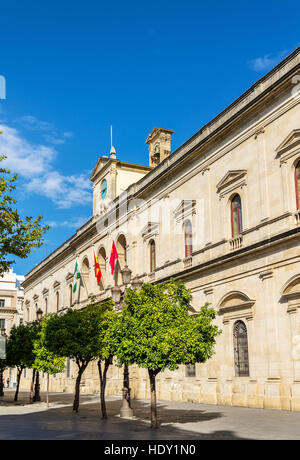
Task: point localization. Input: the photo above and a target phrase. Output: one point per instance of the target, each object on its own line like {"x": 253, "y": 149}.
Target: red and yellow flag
{"x": 98, "y": 273}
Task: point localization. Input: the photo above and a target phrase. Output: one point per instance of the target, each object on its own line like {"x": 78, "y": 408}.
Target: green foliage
{"x": 156, "y": 332}
{"x": 19, "y": 345}
{"x": 45, "y": 360}
{"x": 3, "y": 365}
{"x": 99, "y": 317}
{"x": 65, "y": 335}
{"x": 17, "y": 236}
{"x": 80, "y": 334}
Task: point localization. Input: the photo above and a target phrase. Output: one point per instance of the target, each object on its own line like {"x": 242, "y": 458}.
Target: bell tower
{"x": 159, "y": 141}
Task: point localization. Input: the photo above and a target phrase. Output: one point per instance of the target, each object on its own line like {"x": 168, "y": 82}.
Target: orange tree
{"x": 155, "y": 331}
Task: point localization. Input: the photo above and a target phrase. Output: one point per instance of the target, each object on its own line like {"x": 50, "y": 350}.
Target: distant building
{"x": 11, "y": 300}
{"x": 11, "y": 310}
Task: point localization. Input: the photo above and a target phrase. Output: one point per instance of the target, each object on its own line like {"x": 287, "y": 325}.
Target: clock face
{"x": 103, "y": 189}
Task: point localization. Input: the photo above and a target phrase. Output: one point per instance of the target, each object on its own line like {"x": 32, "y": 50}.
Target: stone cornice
{"x": 254, "y": 95}
{"x": 231, "y": 180}
{"x": 232, "y": 256}
{"x": 8, "y": 310}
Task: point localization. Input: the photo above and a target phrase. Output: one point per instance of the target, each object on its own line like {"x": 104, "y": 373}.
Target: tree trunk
{"x": 152, "y": 376}
{"x": 81, "y": 369}
{"x": 19, "y": 373}
{"x": 31, "y": 386}
{"x": 47, "y": 397}
{"x": 1, "y": 384}
{"x": 37, "y": 395}
{"x": 103, "y": 385}
{"x": 126, "y": 385}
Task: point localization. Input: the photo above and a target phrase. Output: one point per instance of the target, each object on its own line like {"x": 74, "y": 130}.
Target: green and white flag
{"x": 77, "y": 277}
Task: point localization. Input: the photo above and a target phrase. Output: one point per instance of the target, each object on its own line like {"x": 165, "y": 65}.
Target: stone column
{"x": 286, "y": 206}
{"x": 262, "y": 174}
{"x": 270, "y": 326}
{"x": 94, "y": 289}
{"x": 294, "y": 316}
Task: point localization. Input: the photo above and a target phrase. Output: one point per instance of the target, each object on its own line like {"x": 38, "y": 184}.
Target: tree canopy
{"x": 20, "y": 349}
{"x": 79, "y": 335}
{"x": 45, "y": 360}
{"x": 18, "y": 236}
{"x": 156, "y": 331}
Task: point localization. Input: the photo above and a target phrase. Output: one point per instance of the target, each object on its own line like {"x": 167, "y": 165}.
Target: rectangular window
{"x": 2, "y": 303}
{"x": 2, "y": 323}
{"x": 68, "y": 367}
{"x": 190, "y": 370}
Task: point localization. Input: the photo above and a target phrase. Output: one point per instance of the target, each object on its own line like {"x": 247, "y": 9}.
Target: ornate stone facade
{"x": 234, "y": 181}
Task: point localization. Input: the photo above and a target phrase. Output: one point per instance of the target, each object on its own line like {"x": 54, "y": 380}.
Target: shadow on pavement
{"x": 60, "y": 423}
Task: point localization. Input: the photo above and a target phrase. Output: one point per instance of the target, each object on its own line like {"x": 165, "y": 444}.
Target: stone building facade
{"x": 11, "y": 300}
{"x": 222, "y": 213}
{"x": 11, "y": 310}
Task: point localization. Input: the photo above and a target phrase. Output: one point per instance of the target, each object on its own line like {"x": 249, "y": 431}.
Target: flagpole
{"x": 84, "y": 283}
{"x": 79, "y": 284}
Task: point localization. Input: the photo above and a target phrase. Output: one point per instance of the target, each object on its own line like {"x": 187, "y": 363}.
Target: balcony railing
{"x": 187, "y": 262}
{"x": 236, "y": 243}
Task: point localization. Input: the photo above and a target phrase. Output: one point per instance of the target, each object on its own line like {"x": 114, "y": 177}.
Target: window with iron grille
{"x": 152, "y": 256}
{"x": 68, "y": 367}
{"x": 236, "y": 216}
{"x": 188, "y": 238}
{"x": 190, "y": 370}
{"x": 240, "y": 342}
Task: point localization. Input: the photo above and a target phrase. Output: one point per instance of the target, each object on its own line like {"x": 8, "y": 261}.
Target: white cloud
{"x": 50, "y": 133}
{"x": 32, "y": 123}
{"x": 267, "y": 61}
{"x": 34, "y": 162}
{"x": 72, "y": 223}
{"x": 23, "y": 157}
{"x": 64, "y": 191}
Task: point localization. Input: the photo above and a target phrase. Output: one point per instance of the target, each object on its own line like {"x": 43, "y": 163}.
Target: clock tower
{"x": 111, "y": 177}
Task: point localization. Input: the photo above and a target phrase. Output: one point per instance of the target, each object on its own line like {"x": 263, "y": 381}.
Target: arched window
{"x": 86, "y": 277}
{"x": 236, "y": 216}
{"x": 297, "y": 184}
{"x": 102, "y": 264}
{"x": 70, "y": 295}
{"x": 68, "y": 367}
{"x": 152, "y": 256}
{"x": 240, "y": 343}
{"x": 121, "y": 262}
{"x": 188, "y": 238}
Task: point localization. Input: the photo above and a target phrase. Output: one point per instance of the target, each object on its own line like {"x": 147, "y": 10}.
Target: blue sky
{"x": 74, "y": 68}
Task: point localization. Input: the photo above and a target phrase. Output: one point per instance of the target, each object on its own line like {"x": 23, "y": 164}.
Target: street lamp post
{"x": 3, "y": 334}
{"x": 117, "y": 295}
{"x": 37, "y": 397}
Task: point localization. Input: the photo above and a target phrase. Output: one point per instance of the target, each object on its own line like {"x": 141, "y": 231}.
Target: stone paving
{"x": 179, "y": 421}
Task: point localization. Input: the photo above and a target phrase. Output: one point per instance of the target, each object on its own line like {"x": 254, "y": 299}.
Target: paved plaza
{"x": 186, "y": 421}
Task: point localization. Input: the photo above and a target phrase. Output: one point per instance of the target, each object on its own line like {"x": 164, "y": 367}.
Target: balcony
{"x": 236, "y": 243}
{"x": 297, "y": 218}
{"x": 187, "y": 262}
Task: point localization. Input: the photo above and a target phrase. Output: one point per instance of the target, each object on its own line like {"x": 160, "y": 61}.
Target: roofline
{"x": 180, "y": 153}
